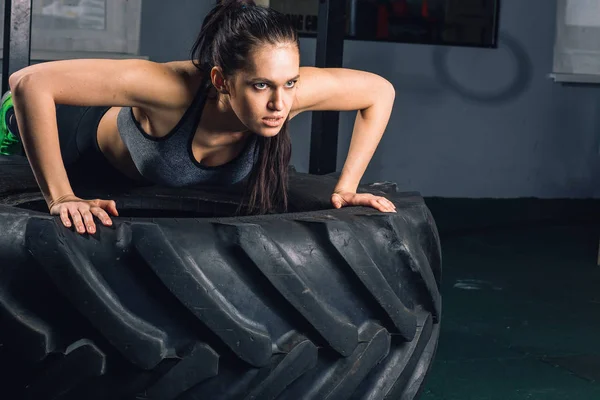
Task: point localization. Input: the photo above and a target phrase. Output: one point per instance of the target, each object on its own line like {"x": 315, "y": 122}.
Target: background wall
{"x": 467, "y": 122}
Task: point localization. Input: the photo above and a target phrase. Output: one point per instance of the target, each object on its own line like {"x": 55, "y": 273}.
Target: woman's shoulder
{"x": 315, "y": 85}
{"x": 172, "y": 84}
{"x": 338, "y": 89}
{"x": 186, "y": 79}
{"x": 183, "y": 68}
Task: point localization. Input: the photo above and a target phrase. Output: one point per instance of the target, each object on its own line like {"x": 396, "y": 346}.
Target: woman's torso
{"x": 158, "y": 123}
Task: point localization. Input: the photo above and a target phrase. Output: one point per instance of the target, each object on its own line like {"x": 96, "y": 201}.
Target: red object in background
{"x": 382, "y": 21}
{"x": 425, "y": 13}
{"x": 424, "y": 9}
{"x": 400, "y": 8}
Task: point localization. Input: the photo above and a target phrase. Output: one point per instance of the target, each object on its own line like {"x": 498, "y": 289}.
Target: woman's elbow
{"x": 19, "y": 79}
{"x": 14, "y": 79}
{"x": 24, "y": 84}
{"x": 388, "y": 89}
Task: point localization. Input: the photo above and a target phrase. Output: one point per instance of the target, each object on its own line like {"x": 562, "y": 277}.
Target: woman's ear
{"x": 218, "y": 80}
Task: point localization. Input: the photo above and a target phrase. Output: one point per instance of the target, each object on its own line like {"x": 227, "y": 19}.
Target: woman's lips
{"x": 272, "y": 121}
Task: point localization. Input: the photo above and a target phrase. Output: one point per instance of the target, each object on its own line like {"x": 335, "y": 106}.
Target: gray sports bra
{"x": 169, "y": 160}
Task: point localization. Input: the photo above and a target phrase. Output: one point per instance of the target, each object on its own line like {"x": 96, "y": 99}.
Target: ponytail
{"x": 203, "y": 50}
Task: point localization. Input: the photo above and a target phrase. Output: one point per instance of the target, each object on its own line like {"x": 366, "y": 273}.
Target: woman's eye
{"x": 260, "y": 86}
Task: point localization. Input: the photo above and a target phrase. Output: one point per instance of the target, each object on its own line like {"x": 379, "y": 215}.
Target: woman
{"x": 220, "y": 118}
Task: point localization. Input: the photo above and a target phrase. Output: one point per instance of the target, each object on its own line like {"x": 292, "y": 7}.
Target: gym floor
{"x": 521, "y": 310}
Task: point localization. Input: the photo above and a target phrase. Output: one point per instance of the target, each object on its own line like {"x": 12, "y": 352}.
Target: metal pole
{"x": 330, "y": 51}
{"x": 17, "y": 38}
{"x": 352, "y": 27}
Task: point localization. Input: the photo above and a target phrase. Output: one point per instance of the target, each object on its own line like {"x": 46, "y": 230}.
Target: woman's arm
{"x": 347, "y": 90}
{"x": 38, "y": 88}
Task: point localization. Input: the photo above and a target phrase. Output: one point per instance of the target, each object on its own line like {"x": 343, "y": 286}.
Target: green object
{"x": 10, "y": 144}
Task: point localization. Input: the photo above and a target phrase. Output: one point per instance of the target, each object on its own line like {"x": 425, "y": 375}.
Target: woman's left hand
{"x": 343, "y": 199}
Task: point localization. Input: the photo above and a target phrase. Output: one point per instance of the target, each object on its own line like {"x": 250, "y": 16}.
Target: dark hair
{"x": 229, "y": 32}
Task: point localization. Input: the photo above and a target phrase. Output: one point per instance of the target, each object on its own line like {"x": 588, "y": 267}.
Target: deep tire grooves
{"x": 412, "y": 389}
{"x": 398, "y": 366}
{"x": 202, "y": 363}
{"x": 19, "y": 325}
{"x": 82, "y": 360}
{"x": 339, "y": 332}
{"x": 338, "y": 378}
{"x": 26, "y": 344}
{"x": 265, "y": 292}
{"x": 361, "y": 264}
{"x": 121, "y": 382}
{"x": 302, "y": 358}
{"x": 231, "y": 383}
{"x": 73, "y": 273}
{"x": 235, "y": 383}
{"x": 413, "y": 355}
{"x": 246, "y": 340}
{"x": 376, "y": 350}
{"x": 186, "y": 329}
{"x": 414, "y": 257}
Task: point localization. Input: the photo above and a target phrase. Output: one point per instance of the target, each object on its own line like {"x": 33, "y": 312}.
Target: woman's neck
{"x": 219, "y": 125}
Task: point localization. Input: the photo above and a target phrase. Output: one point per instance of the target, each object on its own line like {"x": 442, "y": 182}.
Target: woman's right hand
{"x": 81, "y": 212}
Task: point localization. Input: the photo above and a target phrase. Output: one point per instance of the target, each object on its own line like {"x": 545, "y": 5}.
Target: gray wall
{"x": 168, "y": 32}
{"x": 467, "y": 122}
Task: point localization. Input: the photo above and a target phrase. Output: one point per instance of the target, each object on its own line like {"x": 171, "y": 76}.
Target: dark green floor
{"x": 521, "y": 315}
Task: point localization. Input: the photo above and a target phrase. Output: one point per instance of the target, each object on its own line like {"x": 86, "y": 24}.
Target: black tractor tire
{"x": 181, "y": 299}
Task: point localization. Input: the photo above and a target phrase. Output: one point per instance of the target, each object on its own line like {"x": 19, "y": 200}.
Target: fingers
{"x": 336, "y": 199}
{"x": 82, "y": 214}
{"x": 363, "y": 199}
{"x": 382, "y": 204}
{"x": 77, "y": 220}
{"x": 391, "y": 207}
{"x": 112, "y": 208}
{"x": 64, "y": 217}
{"x": 88, "y": 220}
{"x": 101, "y": 215}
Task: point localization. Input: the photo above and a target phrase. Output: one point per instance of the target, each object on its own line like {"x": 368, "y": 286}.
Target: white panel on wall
{"x": 577, "y": 41}
{"x": 83, "y": 28}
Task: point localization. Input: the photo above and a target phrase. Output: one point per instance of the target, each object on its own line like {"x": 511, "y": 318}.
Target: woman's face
{"x": 262, "y": 94}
